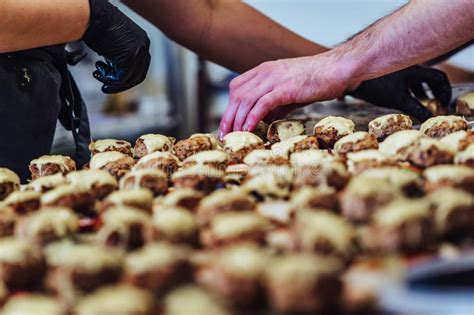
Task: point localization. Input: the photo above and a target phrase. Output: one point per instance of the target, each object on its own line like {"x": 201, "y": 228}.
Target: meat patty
{"x": 8, "y": 221}
{"x": 81, "y": 267}
{"x": 70, "y": 196}
{"x": 427, "y": 152}
{"x": 150, "y": 143}
{"x": 308, "y": 143}
{"x": 22, "y": 266}
{"x": 6, "y": 189}
{"x": 153, "y": 180}
{"x": 222, "y": 201}
{"x": 302, "y": 283}
{"x": 50, "y": 165}
{"x": 440, "y": 126}
{"x": 110, "y": 145}
{"x": 333, "y": 174}
{"x": 357, "y": 141}
{"x": 237, "y": 157}
{"x": 23, "y": 202}
{"x": 187, "y": 147}
{"x": 364, "y": 196}
{"x": 158, "y": 267}
{"x": 120, "y": 168}
{"x": 384, "y": 126}
{"x": 234, "y": 227}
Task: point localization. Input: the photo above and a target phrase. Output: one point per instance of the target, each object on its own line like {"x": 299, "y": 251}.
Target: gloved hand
{"x": 123, "y": 44}
{"x": 395, "y": 90}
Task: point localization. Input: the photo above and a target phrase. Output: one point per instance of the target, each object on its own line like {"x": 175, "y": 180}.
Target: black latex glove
{"x": 123, "y": 44}
{"x": 401, "y": 89}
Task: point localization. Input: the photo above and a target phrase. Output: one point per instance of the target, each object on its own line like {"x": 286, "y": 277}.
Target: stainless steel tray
{"x": 360, "y": 112}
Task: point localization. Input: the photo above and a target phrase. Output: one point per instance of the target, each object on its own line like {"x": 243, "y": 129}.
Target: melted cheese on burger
{"x": 211, "y": 156}
{"x": 215, "y": 143}
{"x": 342, "y": 125}
{"x": 22, "y": 196}
{"x": 353, "y": 138}
{"x": 123, "y": 217}
{"x": 465, "y": 156}
{"x": 18, "y": 251}
{"x": 279, "y": 211}
{"x": 238, "y": 140}
{"x": 398, "y": 141}
{"x": 438, "y": 120}
{"x": 158, "y": 155}
{"x": 104, "y": 144}
{"x": 300, "y": 268}
{"x": 154, "y": 256}
{"x": 36, "y": 304}
{"x": 400, "y": 211}
{"x": 174, "y": 197}
{"x": 267, "y": 185}
{"x": 311, "y": 158}
{"x": 367, "y": 155}
{"x": 138, "y": 174}
{"x": 60, "y": 192}
{"x": 100, "y": 160}
{"x": 222, "y": 197}
{"x": 468, "y": 99}
{"x": 90, "y": 178}
{"x": 198, "y": 301}
{"x": 83, "y": 256}
{"x": 60, "y": 160}
{"x": 245, "y": 260}
{"x": 156, "y": 142}
{"x": 303, "y": 196}
{"x": 447, "y": 200}
{"x": 393, "y": 175}
{"x": 315, "y": 226}
{"x": 134, "y": 196}
{"x": 60, "y": 221}
{"x": 385, "y": 121}
{"x": 429, "y": 143}
{"x": 8, "y": 176}
{"x": 285, "y": 147}
{"x": 261, "y": 157}
{"x": 174, "y": 222}
{"x": 50, "y": 181}
{"x": 454, "y": 139}
{"x": 120, "y": 300}
{"x": 363, "y": 187}
{"x": 287, "y": 128}
{"x": 198, "y": 170}
{"x": 234, "y": 224}
{"x": 453, "y": 173}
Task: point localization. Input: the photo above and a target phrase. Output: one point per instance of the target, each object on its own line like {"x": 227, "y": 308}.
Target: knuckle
{"x": 235, "y": 97}
{"x": 253, "y": 117}
{"x": 234, "y": 83}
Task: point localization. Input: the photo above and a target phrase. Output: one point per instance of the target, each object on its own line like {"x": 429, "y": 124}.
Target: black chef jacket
{"x": 37, "y": 89}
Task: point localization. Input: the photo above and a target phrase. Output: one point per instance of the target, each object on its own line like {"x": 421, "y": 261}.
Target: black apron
{"x": 37, "y": 90}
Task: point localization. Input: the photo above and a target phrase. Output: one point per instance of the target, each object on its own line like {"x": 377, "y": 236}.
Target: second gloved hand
{"x": 123, "y": 44}
{"x": 402, "y": 89}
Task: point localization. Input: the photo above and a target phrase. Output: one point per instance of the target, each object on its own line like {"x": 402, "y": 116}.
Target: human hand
{"x": 272, "y": 85}
{"x": 395, "y": 90}
{"x": 123, "y": 44}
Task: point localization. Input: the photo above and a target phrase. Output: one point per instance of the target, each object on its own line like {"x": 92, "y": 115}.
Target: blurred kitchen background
{"x": 184, "y": 94}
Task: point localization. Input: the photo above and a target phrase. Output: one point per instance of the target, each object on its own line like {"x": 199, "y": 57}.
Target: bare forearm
{"x": 228, "y": 32}
{"x": 29, "y": 24}
{"x": 418, "y": 32}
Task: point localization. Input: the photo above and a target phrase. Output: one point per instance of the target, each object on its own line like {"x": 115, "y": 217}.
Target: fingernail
{"x": 221, "y": 134}
{"x": 246, "y": 127}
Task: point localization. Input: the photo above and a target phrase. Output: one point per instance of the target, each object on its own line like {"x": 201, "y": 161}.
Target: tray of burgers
{"x": 284, "y": 220}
